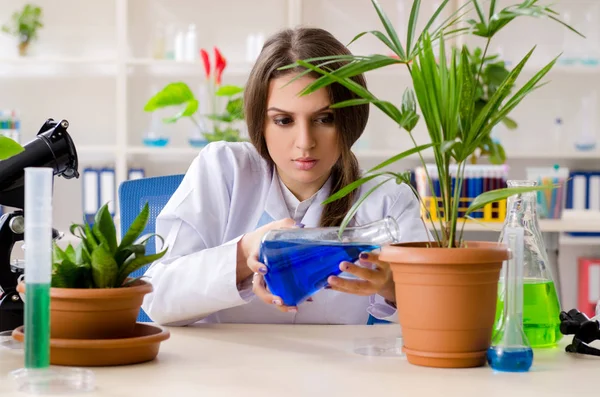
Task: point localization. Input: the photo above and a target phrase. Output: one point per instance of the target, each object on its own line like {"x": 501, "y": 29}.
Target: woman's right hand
{"x": 249, "y": 264}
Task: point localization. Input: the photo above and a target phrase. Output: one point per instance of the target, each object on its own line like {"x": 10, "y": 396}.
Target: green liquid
{"x": 37, "y": 326}
{"x": 541, "y": 311}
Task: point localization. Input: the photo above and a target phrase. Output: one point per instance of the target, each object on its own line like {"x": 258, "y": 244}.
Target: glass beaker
{"x": 299, "y": 261}
{"x": 541, "y": 306}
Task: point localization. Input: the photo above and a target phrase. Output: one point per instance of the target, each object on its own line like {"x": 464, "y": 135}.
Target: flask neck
{"x": 381, "y": 232}
{"x": 522, "y": 207}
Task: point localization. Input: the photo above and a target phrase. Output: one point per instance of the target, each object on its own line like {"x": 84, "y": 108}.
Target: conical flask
{"x": 510, "y": 350}
{"x": 541, "y": 307}
{"x": 299, "y": 261}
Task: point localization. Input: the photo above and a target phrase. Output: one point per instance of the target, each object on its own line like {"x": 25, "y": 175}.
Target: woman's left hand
{"x": 374, "y": 279}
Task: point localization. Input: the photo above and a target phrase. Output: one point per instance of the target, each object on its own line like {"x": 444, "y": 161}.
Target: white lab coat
{"x": 229, "y": 190}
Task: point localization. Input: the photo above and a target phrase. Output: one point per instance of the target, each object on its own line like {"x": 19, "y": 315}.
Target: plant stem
{"x": 458, "y": 188}
{"x": 437, "y": 236}
{"x": 487, "y": 46}
{"x": 437, "y": 210}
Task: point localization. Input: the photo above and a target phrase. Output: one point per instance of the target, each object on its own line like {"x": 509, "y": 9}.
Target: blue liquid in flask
{"x": 517, "y": 359}
{"x": 299, "y": 268}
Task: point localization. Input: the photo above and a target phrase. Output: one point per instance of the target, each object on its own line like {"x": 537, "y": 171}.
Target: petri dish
{"x": 54, "y": 380}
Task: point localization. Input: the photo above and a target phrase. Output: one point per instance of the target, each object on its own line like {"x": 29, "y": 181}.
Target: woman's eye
{"x": 325, "y": 119}
{"x": 282, "y": 120}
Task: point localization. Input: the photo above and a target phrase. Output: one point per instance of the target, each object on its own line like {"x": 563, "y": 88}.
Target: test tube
{"x": 38, "y": 266}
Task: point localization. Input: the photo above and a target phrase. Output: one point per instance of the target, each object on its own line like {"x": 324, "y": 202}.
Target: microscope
{"x": 52, "y": 148}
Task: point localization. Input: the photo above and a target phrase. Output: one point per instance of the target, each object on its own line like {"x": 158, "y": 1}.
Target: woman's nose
{"x": 304, "y": 138}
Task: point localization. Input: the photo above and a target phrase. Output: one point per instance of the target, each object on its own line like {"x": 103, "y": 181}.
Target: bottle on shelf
{"x": 591, "y": 53}
{"x": 169, "y": 46}
{"x": 155, "y": 135}
{"x": 191, "y": 44}
{"x": 586, "y": 138}
{"x": 180, "y": 45}
{"x": 570, "y": 46}
{"x": 158, "y": 42}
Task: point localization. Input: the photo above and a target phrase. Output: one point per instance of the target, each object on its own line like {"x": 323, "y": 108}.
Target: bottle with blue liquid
{"x": 510, "y": 350}
{"x": 299, "y": 261}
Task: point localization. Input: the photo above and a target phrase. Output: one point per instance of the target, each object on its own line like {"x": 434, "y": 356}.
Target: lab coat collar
{"x": 276, "y": 208}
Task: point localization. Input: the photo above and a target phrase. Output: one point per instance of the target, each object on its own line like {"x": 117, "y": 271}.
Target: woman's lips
{"x": 305, "y": 164}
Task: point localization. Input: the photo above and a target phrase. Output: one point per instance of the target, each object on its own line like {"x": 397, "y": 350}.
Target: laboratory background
{"x": 110, "y": 66}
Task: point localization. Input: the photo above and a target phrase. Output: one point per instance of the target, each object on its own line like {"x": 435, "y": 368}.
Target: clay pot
{"x": 446, "y": 300}
{"x": 106, "y": 313}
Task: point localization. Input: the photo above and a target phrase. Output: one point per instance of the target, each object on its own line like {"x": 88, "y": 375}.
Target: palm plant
{"x": 444, "y": 85}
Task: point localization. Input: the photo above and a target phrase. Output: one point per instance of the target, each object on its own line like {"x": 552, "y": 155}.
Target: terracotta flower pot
{"x": 106, "y": 313}
{"x": 446, "y": 300}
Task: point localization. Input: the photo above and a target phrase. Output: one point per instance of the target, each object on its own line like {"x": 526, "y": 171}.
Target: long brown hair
{"x": 285, "y": 48}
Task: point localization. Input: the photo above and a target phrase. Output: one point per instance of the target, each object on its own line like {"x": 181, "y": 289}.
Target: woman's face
{"x": 301, "y": 135}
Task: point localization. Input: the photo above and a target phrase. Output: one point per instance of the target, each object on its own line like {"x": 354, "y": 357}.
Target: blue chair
{"x": 133, "y": 195}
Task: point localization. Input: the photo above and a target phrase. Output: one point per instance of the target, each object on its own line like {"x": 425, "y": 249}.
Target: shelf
{"x": 164, "y": 151}
{"x": 56, "y": 60}
{"x": 428, "y": 155}
{"x": 100, "y": 149}
{"x": 570, "y": 240}
{"x": 546, "y": 225}
{"x": 56, "y": 67}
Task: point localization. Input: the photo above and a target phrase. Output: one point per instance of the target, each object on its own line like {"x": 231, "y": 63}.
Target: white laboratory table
{"x": 312, "y": 360}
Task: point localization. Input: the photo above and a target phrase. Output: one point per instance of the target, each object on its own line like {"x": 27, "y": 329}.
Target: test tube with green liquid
{"x": 38, "y": 266}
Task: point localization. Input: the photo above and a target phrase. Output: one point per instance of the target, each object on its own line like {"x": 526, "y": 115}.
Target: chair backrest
{"x": 133, "y": 195}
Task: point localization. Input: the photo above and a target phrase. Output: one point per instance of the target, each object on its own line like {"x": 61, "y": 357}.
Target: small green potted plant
{"x": 92, "y": 295}
{"x": 446, "y": 288}
{"x": 24, "y": 25}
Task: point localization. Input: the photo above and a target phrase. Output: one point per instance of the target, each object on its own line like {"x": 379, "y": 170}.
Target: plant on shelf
{"x": 91, "y": 293}
{"x": 24, "y": 25}
{"x": 446, "y": 287}
{"x": 226, "y": 125}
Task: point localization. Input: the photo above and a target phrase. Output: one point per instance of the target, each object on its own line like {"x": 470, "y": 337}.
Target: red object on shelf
{"x": 589, "y": 285}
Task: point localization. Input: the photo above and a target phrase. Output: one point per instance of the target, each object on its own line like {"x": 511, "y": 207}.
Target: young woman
{"x": 233, "y": 193}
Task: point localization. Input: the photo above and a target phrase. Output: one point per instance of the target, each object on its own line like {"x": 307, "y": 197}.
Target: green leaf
{"x": 348, "y": 83}
{"x": 494, "y": 103}
{"x": 82, "y": 255}
{"x": 135, "y": 264}
{"x": 357, "y": 205}
{"x": 399, "y": 156}
{"x": 225, "y": 118}
{"x": 500, "y": 194}
{"x": 9, "y": 147}
{"x": 467, "y": 105}
{"x": 91, "y": 241}
{"x": 189, "y": 110}
{"x": 136, "y": 228}
{"x": 412, "y": 24}
{"x": 389, "y": 28}
{"x": 383, "y": 38}
{"x": 229, "y": 90}
{"x": 509, "y": 123}
{"x": 65, "y": 274}
{"x": 104, "y": 229}
{"x": 235, "y": 107}
{"x": 58, "y": 255}
{"x": 352, "y": 186}
{"x": 70, "y": 253}
{"x": 124, "y": 254}
{"x": 104, "y": 267}
{"x": 173, "y": 94}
